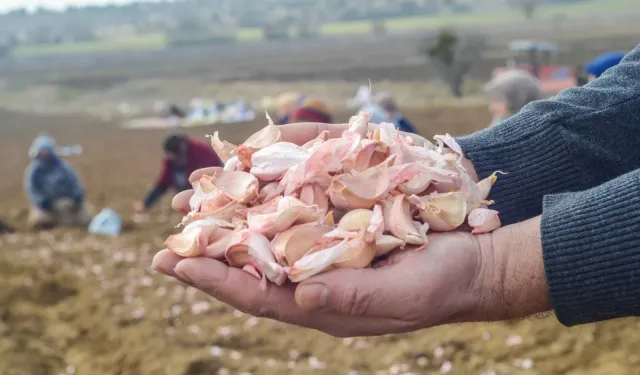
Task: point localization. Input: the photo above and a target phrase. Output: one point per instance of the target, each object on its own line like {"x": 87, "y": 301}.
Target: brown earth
{"x": 72, "y": 303}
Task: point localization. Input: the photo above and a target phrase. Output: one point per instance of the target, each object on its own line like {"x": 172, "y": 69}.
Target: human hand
{"x": 139, "y": 208}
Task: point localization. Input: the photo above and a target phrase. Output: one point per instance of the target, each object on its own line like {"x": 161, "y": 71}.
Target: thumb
{"x": 357, "y": 292}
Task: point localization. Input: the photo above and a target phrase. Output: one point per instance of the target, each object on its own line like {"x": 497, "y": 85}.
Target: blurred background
{"x": 99, "y": 76}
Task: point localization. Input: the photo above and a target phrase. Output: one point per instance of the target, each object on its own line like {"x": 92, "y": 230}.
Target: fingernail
{"x": 312, "y": 296}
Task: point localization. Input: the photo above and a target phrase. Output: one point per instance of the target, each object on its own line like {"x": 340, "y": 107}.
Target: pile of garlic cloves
{"x": 282, "y": 212}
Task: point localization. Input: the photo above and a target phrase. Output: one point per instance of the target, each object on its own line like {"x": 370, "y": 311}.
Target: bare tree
{"x": 528, "y": 7}
{"x": 453, "y": 55}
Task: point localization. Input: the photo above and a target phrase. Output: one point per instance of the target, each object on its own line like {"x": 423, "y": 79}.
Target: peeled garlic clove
{"x": 292, "y": 244}
{"x": 314, "y": 195}
{"x": 442, "y": 211}
{"x": 271, "y": 162}
{"x": 241, "y": 187}
{"x": 449, "y": 141}
{"x": 356, "y": 220}
{"x": 386, "y": 244}
{"x": 224, "y": 149}
{"x": 316, "y": 262}
{"x": 484, "y": 220}
{"x": 194, "y": 238}
{"x": 218, "y": 244}
{"x": 401, "y": 224}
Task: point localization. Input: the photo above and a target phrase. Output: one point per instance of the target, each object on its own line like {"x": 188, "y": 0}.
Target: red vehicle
{"x": 553, "y": 78}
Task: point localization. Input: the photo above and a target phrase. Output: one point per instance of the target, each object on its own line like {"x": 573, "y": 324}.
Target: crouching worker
{"x": 55, "y": 193}
{"x": 183, "y": 156}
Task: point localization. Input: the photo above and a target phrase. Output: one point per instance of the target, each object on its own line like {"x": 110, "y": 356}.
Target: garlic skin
{"x": 289, "y": 211}
{"x": 386, "y": 244}
{"x": 264, "y": 138}
{"x": 443, "y": 212}
{"x": 314, "y": 195}
{"x": 224, "y": 149}
{"x": 248, "y": 247}
{"x": 239, "y": 186}
{"x": 195, "y": 237}
{"x": 271, "y": 162}
{"x": 484, "y": 220}
{"x": 292, "y": 244}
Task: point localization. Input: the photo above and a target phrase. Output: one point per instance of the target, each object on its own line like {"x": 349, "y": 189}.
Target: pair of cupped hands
{"x": 459, "y": 277}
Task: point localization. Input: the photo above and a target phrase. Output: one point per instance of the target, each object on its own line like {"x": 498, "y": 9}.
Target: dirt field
{"x": 77, "y": 304}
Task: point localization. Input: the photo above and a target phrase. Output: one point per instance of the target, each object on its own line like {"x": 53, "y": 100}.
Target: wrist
{"x": 511, "y": 273}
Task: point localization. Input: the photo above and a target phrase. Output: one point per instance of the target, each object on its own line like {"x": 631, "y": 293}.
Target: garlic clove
{"x": 224, "y": 149}
{"x": 289, "y": 212}
{"x": 247, "y": 247}
{"x": 194, "y": 238}
{"x": 292, "y": 244}
{"x": 356, "y": 220}
{"x": 386, "y": 244}
{"x": 267, "y": 136}
{"x": 401, "y": 224}
{"x": 361, "y": 189}
{"x": 239, "y": 186}
{"x": 442, "y": 211}
{"x": 359, "y": 125}
{"x": 314, "y": 195}
{"x": 271, "y": 162}
{"x": 450, "y": 142}
{"x": 269, "y": 192}
{"x": 227, "y": 213}
{"x": 218, "y": 244}
{"x": 316, "y": 262}
{"x": 234, "y": 164}
{"x": 359, "y": 254}
{"x": 484, "y": 220}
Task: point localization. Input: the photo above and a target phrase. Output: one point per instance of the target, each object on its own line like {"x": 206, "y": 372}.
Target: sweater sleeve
{"x": 591, "y": 251}
{"x": 576, "y": 140}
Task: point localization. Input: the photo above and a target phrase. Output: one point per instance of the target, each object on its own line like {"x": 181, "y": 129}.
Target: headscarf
{"x": 42, "y": 143}
{"x": 516, "y": 88}
{"x": 602, "y": 63}
{"x": 312, "y": 110}
{"x": 287, "y": 102}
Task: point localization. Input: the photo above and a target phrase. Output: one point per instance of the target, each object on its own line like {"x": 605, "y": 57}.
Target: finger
{"x": 181, "y": 201}
{"x": 355, "y": 292}
{"x": 242, "y": 291}
{"x": 197, "y": 174}
{"x": 165, "y": 261}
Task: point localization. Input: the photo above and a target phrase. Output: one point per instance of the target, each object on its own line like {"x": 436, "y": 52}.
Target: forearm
{"x": 512, "y": 273}
{"x": 154, "y": 195}
{"x": 576, "y": 140}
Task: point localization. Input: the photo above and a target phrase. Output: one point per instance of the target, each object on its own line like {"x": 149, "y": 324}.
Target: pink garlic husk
{"x": 320, "y": 139}
{"x": 292, "y": 244}
{"x": 450, "y": 142}
{"x": 290, "y": 211}
{"x": 264, "y": 138}
{"x": 239, "y": 186}
{"x": 361, "y": 189}
{"x": 443, "y": 212}
{"x": 195, "y": 237}
{"x": 224, "y": 149}
{"x": 423, "y": 176}
{"x": 218, "y": 244}
{"x": 271, "y": 162}
{"x": 234, "y": 164}
{"x": 269, "y": 192}
{"x": 400, "y": 223}
{"x": 248, "y": 247}
{"x": 484, "y": 220}
{"x": 228, "y": 213}
{"x": 314, "y": 195}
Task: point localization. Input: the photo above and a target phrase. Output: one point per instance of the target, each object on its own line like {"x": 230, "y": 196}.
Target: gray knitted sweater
{"x": 575, "y": 159}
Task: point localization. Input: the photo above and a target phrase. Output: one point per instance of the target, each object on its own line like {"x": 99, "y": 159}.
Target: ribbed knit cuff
{"x": 535, "y": 156}
{"x": 591, "y": 247}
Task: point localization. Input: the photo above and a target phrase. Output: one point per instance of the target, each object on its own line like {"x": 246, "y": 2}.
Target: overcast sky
{"x": 6, "y": 5}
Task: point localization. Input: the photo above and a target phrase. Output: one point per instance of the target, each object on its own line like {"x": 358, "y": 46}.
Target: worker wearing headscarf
{"x": 55, "y": 193}
{"x": 602, "y": 63}
{"x": 286, "y": 103}
{"x": 385, "y": 101}
{"x": 183, "y": 156}
{"x": 510, "y": 92}
{"x": 311, "y": 110}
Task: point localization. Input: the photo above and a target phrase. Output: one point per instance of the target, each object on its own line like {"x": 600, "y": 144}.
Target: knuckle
{"x": 356, "y": 300}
